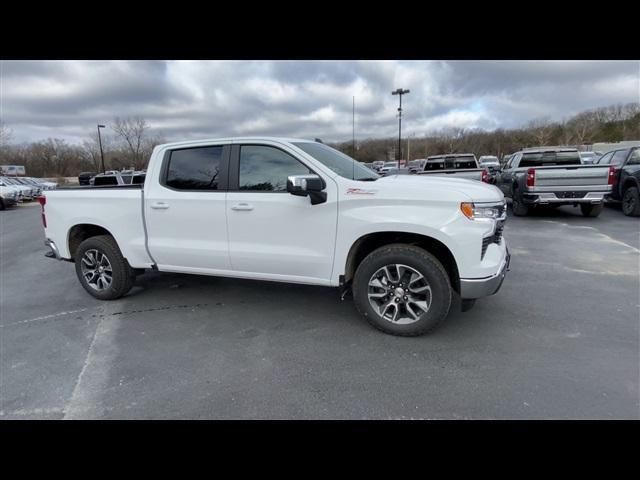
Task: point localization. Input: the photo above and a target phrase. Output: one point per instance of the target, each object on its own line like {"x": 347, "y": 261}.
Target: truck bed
{"x": 118, "y": 208}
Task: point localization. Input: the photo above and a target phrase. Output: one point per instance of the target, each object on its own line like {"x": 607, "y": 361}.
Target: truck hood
{"x": 433, "y": 187}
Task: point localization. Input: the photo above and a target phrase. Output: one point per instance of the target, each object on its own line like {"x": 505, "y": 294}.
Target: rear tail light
{"x": 613, "y": 175}
{"x": 531, "y": 177}
{"x": 43, "y": 201}
{"x": 485, "y": 176}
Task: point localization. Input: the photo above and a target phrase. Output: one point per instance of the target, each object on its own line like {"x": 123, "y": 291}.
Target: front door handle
{"x": 160, "y": 205}
{"x": 242, "y": 206}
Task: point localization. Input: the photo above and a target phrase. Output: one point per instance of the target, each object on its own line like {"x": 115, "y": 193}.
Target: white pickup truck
{"x": 293, "y": 211}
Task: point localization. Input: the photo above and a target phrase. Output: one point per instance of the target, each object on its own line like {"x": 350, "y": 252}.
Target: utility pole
{"x": 354, "y": 128}
{"x": 101, "y": 152}
{"x": 399, "y": 92}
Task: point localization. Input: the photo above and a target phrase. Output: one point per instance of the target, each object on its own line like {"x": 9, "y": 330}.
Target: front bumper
{"x": 483, "y": 287}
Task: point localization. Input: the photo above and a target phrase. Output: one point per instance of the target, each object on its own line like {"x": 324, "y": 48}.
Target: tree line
{"x": 600, "y": 125}
{"x": 127, "y": 143}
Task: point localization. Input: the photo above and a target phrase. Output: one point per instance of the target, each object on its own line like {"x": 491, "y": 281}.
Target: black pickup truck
{"x": 626, "y": 181}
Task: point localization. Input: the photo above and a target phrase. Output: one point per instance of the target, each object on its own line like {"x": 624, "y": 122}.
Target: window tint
{"x": 606, "y": 159}
{"x": 548, "y": 159}
{"x": 434, "y": 165}
{"x": 195, "y": 168}
{"x": 619, "y": 157}
{"x": 106, "y": 180}
{"x": 634, "y": 159}
{"x": 267, "y": 168}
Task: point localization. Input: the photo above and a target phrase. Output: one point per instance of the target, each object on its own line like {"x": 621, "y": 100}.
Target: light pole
{"x": 101, "y": 152}
{"x": 399, "y": 92}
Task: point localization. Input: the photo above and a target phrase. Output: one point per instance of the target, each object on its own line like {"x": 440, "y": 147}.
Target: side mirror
{"x": 307, "y": 185}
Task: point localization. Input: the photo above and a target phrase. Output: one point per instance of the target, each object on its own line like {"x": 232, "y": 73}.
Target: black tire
{"x": 2, "y": 207}
{"x": 418, "y": 259}
{"x": 519, "y": 208}
{"x": 123, "y": 276}
{"x": 590, "y": 209}
{"x": 631, "y": 202}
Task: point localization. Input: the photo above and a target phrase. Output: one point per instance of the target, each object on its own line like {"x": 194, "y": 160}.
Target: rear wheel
{"x": 631, "y": 202}
{"x": 2, "y": 207}
{"x": 402, "y": 290}
{"x": 591, "y": 210}
{"x": 520, "y": 209}
{"x": 101, "y": 268}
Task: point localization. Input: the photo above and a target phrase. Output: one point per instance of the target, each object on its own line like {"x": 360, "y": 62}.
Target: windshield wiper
{"x": 368, "y": 179}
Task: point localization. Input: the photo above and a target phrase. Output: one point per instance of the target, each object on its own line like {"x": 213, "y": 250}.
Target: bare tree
{"x": 541, "y": 130}
{"x": 132, "y": 132}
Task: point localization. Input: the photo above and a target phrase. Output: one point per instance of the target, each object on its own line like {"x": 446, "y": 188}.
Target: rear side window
{"x": 456, "y": 163}
{"x": 619, "y": 157}
{"x": 606, "y": 159}
{"x": 264, "y": 168}
{"x": 434, "y": 165}
{"x": 549, "y": 159}
{"x": 195, "y": 168}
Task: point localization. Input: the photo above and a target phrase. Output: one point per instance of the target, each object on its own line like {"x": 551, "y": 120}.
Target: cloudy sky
{"x": 201, "y": 99}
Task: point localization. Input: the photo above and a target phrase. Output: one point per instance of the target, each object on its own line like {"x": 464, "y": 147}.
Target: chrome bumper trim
{"x": 591, "y": 197}
{"x": 483, "y": 287}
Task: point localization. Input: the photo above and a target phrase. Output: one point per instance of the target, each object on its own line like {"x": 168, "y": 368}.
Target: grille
{"x": 495, "y": 238}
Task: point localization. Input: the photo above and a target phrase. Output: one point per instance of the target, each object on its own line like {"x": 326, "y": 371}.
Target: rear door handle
{"x": 242, "y": 206}
{"x": 160, "y": 205}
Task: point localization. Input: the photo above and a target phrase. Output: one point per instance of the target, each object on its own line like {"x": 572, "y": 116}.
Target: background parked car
{"x": 625, "y": 179}
{"x": 85, "y": 177}
{"x": 589, "y": 158}
{"x": 385, "y": 172}
{"x": 8, "y": 197}
{"x": 26, "y": 192}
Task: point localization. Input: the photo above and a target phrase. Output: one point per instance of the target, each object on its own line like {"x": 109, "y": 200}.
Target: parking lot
{"x": 559, "y": 340}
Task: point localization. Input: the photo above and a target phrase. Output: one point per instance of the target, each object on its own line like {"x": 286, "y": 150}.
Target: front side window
{"x": 634, "y": 159}
{"x": 195, "y": 168}
{"x": 264, "y": 168}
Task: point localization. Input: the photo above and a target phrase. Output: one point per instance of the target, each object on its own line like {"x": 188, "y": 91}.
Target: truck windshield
{"x": 549, "y": 159}
{"x": 338, "y": 162}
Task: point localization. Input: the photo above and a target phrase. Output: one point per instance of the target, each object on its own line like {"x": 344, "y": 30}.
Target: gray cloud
{"x": 183, "y": 100}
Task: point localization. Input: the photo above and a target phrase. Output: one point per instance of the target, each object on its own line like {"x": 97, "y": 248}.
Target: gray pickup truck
{"x": 553, "y": 176}
{"x": 460, "y": 165}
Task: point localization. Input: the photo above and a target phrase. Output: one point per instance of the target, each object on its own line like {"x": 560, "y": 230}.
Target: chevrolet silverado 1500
{"x": 290, "y": 211}
{"x": 554, "y": 176}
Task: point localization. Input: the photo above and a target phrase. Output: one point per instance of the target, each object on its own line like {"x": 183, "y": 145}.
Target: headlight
{"x": 482, "y": 212}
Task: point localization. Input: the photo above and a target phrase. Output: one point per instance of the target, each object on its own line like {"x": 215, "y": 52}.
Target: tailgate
{"x": 585, "y": 175}
{"x": 470, "y": 174}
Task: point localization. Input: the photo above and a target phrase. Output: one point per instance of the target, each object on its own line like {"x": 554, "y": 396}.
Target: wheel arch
{"x": 80, "y": 232}
{"x": 369, "y": 242}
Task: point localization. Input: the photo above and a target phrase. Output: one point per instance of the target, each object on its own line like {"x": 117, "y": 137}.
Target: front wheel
{"x": 101, "y": 268}
{"x": 402, "y": 290}
{"x": 591, "y": 210}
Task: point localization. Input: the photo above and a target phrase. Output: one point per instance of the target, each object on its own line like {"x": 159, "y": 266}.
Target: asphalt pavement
{"x": 560, "y": 340}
